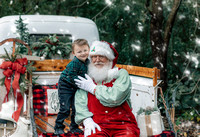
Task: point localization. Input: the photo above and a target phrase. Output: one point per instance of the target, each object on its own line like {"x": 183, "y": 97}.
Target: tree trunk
{"x": 160, "y": 36}
{"x": 157, "y": 42}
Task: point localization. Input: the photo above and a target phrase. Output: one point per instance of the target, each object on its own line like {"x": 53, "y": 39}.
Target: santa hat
{"x": 105, "y": 49}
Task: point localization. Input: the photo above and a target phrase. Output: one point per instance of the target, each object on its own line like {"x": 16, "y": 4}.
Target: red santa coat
{"x": 109, "y": 107}
{"x": 113, "y": 118}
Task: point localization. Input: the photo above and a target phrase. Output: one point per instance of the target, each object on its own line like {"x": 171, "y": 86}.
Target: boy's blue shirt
{"x": 74, "y": 69}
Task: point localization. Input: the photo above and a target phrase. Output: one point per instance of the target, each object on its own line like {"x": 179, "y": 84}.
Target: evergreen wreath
{"x": 48, "y": 47}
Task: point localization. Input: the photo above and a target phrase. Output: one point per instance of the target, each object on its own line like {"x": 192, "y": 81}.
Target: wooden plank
{"x": 59, "y": 65}
{"x": 14, "y": 40}
{"x": 51, "y": 65}
{"x": 48, "y": 120}
{"x": 39, "y": 130}
{"x": 43, "y": 125}
{"x": 155, "y": 76}
{"x": 140, "y": 71}
{"x": 153, "y": 73}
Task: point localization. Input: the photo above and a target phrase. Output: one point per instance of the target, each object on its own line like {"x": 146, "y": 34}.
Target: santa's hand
{"x": 86, "y": 83}
{"x": 90, "y": 126}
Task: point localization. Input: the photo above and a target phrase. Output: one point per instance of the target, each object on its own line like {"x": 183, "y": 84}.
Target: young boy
{"x": 67, "y": 87}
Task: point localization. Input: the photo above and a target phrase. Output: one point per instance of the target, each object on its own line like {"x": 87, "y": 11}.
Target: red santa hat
{"x": 105, "y": 49}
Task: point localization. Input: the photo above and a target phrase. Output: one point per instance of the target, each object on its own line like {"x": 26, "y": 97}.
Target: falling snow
{"x": 36, "y": 7}
{"x": 175, "y": 54}
{"x": 136, "y": 47}
{"x": 196, "y": 20}
{"x": 159, "y": 8}
{"x": 157, "y": 60}
{"x": 59, "y": 52}
{"x": 109, "y": 2}
{"x": 197, "y": 41}
{"x": 34, "y": 29}
{"x": 195, "y": 5}
{"x": 161, "y": 65}
{"x": 181, "y": 17}
{"x": 164, "y": 48}
{"x": 152, "y": 42}
{"x": 11, "y": 2}
{"x": 187, "y": 72}
{"x": 127, "y": 8}
{"x": 140, "y": 26}
{"x": 193, "y": 58}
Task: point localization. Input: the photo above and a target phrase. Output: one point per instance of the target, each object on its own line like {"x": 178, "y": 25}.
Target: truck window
{"x": 62, "y": 37}
{"x": 55, "y": 50}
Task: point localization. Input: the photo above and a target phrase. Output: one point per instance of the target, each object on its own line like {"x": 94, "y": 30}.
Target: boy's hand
{"x": 85, "y": 84}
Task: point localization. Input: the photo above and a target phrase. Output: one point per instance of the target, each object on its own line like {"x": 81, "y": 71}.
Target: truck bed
{"x": 45, "y": 126}
{"x": 144, "y": 83}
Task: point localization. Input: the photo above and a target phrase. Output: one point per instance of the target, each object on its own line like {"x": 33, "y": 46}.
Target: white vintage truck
{"x": 145, "y": 81}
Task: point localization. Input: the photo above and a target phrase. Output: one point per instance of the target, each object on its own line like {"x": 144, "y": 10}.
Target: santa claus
{"x": 103, "y": 101}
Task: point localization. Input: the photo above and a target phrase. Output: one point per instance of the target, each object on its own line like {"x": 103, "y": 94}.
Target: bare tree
{"x": 159, "y": 35}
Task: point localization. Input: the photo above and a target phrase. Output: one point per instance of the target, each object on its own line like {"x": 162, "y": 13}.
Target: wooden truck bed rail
{"x": 59, "y": 65}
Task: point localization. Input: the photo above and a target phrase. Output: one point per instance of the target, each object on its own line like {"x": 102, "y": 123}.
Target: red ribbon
{"x": 17, "y": 68}
{"x": 48, "y": 41}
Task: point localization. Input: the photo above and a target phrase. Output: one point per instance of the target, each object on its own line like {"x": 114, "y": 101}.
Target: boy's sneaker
{"x": 75, "y": 130}
{"x": 59, "y": 131}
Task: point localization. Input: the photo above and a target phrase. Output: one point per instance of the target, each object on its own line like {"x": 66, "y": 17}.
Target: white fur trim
{"x": 113, "y": 73}
{"x": 102, "y": 48}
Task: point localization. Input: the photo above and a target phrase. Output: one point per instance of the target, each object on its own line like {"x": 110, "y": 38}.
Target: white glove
{"x": 90, "y": 126}
{"x": 85, "y": 84}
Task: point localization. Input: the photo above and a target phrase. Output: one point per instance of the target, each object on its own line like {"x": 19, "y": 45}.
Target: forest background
{"x": 149, "y": 33}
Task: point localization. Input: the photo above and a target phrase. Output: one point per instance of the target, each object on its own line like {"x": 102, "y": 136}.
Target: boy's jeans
{"x": 66, "y": 100}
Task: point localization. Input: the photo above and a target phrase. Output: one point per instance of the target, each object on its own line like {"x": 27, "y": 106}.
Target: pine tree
{"x": 23, "y": 32}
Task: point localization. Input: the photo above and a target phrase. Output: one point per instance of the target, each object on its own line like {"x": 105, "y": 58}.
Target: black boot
{"x": 75, "y": 130}
{"x": 59, "y": 131}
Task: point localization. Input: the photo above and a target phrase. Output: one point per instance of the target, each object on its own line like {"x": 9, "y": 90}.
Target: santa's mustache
{"x": 99, "y": 63}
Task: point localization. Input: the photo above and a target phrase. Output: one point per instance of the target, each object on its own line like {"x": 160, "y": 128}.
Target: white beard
{"x": 99, "y": 74}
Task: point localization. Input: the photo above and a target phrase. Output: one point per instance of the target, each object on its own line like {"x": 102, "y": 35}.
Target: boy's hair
{"x": 79, "y": 42}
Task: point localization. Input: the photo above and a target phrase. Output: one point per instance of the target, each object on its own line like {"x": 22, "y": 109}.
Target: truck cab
{"x": 39, "y": 26}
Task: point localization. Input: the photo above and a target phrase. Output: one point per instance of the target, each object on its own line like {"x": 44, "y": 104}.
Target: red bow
{"x": 18, "y": 68}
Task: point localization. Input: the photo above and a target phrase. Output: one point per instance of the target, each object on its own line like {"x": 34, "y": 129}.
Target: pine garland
{"x": 147, "y": 111}
{"x": 48, "y": 47}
